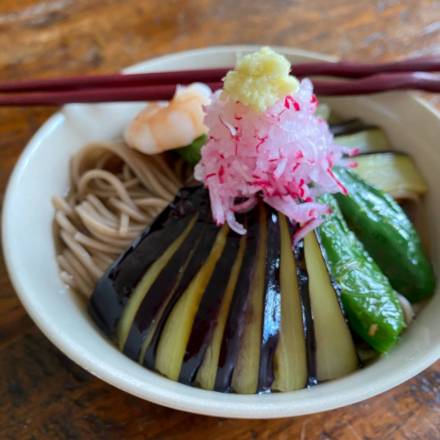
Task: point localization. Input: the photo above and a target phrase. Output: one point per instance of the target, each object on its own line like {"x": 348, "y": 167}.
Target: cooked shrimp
{"x": 161, "y": 127}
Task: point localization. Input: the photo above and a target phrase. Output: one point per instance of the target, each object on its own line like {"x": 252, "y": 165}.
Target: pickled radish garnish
{"x": 285, "y": 155}
{"x": 265, "y": 141}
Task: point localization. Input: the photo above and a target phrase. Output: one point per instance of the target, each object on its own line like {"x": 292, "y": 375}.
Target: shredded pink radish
{"x": 284, "y": 155}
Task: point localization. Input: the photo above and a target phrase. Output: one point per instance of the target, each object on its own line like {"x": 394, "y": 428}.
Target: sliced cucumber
{"x": 373, "y": 139}
{"x": 394, "y": 173}
{"x": 371, "y": 305}
{"x": 388, "y": 236}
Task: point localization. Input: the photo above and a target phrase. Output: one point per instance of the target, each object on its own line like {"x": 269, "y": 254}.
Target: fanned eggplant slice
{"x": 208, "y": 233}
{"x": 158, "y": 295}
{"x": 208, "y": 370}
{"x": 309, "y": 330}
{"x": 146, "y": 282}
{"x": 176, "y": 332}
{"x": 117, "y": 284}
{"x": 206, "y": 317}
{"x": 290, "y": 360}
{"x": 335, "y": 351}
{"x": 272, "y": 304}
{"x": 245, "y": 376}
{"x": 235, "y": 321}
{"x": 205, "y": 306}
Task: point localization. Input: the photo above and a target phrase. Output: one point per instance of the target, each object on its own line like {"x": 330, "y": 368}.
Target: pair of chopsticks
{"x": 362, "y": 79}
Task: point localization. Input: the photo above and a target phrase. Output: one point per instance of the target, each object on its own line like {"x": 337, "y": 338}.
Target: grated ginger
{"x": 260, "y": 79}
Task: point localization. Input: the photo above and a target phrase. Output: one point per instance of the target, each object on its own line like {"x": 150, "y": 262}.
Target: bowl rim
{"x": 203, "y": 401}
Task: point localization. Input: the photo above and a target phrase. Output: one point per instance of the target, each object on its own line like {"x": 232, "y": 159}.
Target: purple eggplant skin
{"x": 116, "y": 285}
{"x": 309, "y": 332}
{"x": 235, "y": 323}
{"x": 208, "y": 233}
{"x": 349, "y": 127}
{"x": 206, "y": 317}
{"x": 272, "y": 305}
{"x": 159, "y": 293}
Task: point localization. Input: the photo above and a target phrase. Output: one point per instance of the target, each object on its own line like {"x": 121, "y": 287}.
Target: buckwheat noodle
{"x": 115, "y": 193}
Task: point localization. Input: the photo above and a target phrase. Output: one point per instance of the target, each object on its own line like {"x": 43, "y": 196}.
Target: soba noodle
{"x": 115, "y": 193}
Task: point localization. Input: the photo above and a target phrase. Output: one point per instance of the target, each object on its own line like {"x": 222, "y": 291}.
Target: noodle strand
{"x": 115, "y": 194}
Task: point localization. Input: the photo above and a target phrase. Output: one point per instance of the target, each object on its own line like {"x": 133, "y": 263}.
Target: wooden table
{"x": 43, "y": 395}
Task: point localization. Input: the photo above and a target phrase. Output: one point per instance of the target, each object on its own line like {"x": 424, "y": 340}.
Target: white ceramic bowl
{"x": 29, "y": 250}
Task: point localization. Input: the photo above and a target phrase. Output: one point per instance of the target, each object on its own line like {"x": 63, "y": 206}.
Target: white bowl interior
{"x": 42, "y": 171}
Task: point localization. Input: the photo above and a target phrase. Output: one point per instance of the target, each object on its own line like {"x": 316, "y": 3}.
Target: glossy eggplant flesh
{"x": 290, "y": 357}
{"x": 271, "y": 305}
{"x": 207, "y": 307}
{"x": 335, "y": 351}
{"x": 369, "y": 139}
{"x": 206, "y": 374}
{"x": 393, "y": 172}
{"x": 200, "y": 254}
{"x": 235, "y": 324}
{"x": 114, "y": 289}
{"x": 160, "y": 293}
{"x": 309, "y": 331}
{"x": 206, "y": 314}
{"x": 245, "y": 377}
{"x": 174, "y": 335}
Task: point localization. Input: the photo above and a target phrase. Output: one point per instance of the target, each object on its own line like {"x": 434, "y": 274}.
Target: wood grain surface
{"x": 43, "y": 395}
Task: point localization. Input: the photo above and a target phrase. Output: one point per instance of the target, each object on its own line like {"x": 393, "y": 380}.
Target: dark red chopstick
{"x": 113, "y": 94}
{"x": 383, "y": 82}
{"x": 373, "y": 84}
{"x": 115, "y": 80}
{"x": 340, "y": 69}
{"x": 347, "y": 69}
